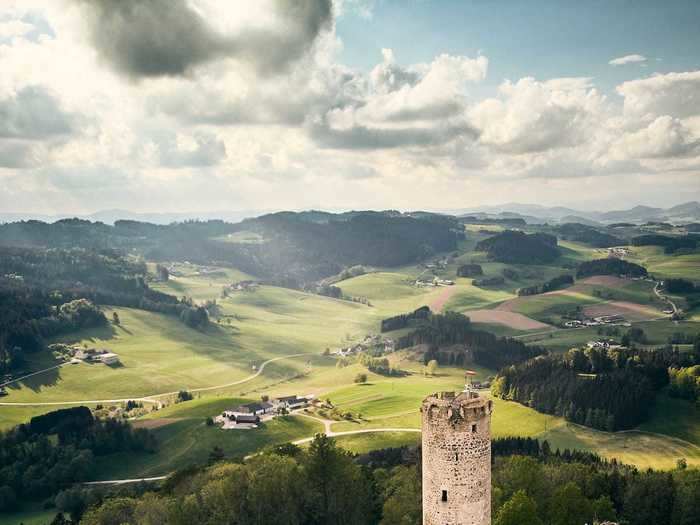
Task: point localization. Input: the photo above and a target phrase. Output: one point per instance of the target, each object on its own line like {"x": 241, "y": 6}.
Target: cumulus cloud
{"x": 201, "y": 150}
{"x": 171, "y": 37}
{"x": 628, "y": 59}
{"x": 532, "y": 116}
{"x": 664, "y": 137}
{"x": 33, "y": 113}
{"x": 675, "y": 94}
{"x": 418, "y": 105}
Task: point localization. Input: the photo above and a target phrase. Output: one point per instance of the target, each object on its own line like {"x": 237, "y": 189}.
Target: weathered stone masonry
{"x": 456, "y": 459}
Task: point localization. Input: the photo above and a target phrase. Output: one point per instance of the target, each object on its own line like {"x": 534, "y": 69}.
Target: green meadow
{"x": 159, "y": 354}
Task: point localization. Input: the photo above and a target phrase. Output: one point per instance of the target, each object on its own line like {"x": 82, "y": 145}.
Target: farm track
{"x": 151, "y": 398}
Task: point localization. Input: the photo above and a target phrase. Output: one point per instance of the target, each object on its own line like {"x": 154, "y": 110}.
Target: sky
{"x": 203, "y": 105}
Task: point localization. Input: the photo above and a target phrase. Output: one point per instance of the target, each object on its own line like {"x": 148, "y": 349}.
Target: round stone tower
{"x": 456, "y": 459}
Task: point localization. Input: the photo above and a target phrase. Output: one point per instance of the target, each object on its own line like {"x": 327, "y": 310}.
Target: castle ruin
{"x": 456, "y": 459}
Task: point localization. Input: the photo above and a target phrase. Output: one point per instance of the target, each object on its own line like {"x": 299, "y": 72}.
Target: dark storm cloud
{"x": 33, "y": 113}
{"x": 151, "y": 38}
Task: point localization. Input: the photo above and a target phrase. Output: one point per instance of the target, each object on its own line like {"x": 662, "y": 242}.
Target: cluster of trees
{"x": 379, "y": 365}
{"x": 680, "y": 286}
{"x": 29, "y": 316}
{"x": 402, "y": 321}
{"x": 483, "y": 348}
{"x": 516, "y": 247}
{"x": 60, "y": 448}
{"x": 470, "y": 270}
{"x": 610, "y": 266}
{"x": 49, "y": 291}
{"x": 321, "y": 485}
{"x": 585, "y": 234}
{"x": 685, "y": 382}
{"x": 608, "y": 389}
{"x": 531, "y": 485}
{"x": 669, "y": 244}
{"x": 556, "y": 283}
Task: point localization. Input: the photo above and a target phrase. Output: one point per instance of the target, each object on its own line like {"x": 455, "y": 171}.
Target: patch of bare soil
{"x": 440, "y": 301}
{"x": 610, "y": 281}
{"x": 630, "y": 311}
{"x": 511, "y": 319}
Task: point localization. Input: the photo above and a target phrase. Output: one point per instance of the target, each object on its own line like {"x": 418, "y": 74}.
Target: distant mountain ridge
{"x": 534, "y": 213}
{"x": 531, "y": 213}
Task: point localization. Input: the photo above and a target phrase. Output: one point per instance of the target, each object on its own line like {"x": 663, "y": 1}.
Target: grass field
{"x": 663, "y": 265}
{"x": 187, "y": 440}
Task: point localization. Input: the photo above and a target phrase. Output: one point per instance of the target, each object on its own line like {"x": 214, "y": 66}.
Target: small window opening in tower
{"x": 473, "y": 428}
{"x": 456, "y": 456}
{"x": 444, "y": 495}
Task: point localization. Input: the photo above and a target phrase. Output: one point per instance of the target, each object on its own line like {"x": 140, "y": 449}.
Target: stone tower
{"x": 456, "y": 459}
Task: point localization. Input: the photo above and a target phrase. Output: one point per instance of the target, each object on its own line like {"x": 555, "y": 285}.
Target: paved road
{"x": 150, "y": 399}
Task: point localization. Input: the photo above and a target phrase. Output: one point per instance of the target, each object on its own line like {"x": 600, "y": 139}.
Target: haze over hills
{"x": 687, "y": 212}
{"x": 531, "y": 213}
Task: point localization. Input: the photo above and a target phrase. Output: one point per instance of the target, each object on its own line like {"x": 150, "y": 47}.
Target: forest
{"x": 324, "y": 484}
{"x": 47, "y": 292}
{"x": 585, "y": 234}
{"x": 603, "y": 388}
{"x": 516, "y": 247}
{"x": 482, "y": 348}
{"x": 59, "y": 448}
{"x": 610, "y": 266}
{"x": 297, "y": 247}
{"x": 669, "y": 244}
{"x": 556, "y": 283}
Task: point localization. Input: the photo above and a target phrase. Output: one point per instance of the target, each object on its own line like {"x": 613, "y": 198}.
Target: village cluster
{"x": 376, "y": 342}
{"x": 598, "y": 321}
{"x": 250, "y": 415}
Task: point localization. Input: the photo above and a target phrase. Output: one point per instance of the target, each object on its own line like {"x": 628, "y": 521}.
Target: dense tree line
{"x": 610, "y": 266}
{"x": 607, "y": 389}
{"x": 556, "y": 283}
{"x": 586, "y": 234}
{"x": 47, "y": 292}
{"x": 669, "y": 244}
{"x": 470, "y": 270}
{"x": 302, "y": 246}
{"x": 680, "y": 286}
{"x": 402, "y": 321}
{"x": 35, "y": 465}
{"x": 483, "y": 348}
{"x": 28, "y": 317}
{"x": 325, "y": 485}
{"x": 516, "y": 247}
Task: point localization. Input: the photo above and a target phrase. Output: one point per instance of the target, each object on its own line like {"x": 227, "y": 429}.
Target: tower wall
{"x": 456, "y": 459}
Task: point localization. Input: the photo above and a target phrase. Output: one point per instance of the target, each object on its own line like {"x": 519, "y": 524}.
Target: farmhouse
{"x": 255, "y": 409}
{"x": 109, "y": 358}
{"x": 290, "y": 402}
